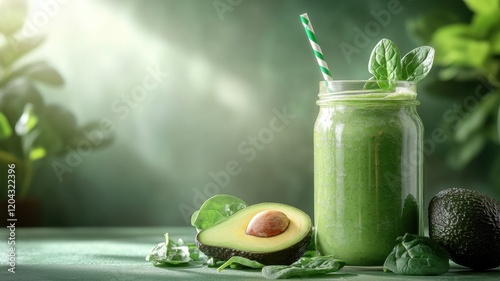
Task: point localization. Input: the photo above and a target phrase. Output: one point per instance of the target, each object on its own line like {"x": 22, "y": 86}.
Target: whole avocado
{"x": 467, "y": 224}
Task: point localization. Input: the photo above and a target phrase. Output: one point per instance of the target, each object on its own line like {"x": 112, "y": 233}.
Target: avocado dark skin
{"x": 467, "y": 224}
{"x": 283, "y": 257}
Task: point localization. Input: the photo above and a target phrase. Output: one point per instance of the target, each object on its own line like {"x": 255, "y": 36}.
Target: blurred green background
{"x": 185, "y": 86}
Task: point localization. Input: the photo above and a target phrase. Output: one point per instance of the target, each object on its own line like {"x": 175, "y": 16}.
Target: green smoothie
{"x": 367, "y": 174}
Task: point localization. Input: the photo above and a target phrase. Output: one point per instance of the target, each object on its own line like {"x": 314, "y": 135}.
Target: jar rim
{"x": 344, "y": 90}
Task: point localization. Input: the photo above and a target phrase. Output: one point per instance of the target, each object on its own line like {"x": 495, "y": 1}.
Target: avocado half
{"x": 228, "y": 238}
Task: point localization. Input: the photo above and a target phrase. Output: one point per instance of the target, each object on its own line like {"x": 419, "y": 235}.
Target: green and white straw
{"x": 327, "y": 75}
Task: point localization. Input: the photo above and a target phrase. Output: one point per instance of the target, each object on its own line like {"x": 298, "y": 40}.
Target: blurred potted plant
{"x": 467, "y": 43}
{"x": 31, "y": 131}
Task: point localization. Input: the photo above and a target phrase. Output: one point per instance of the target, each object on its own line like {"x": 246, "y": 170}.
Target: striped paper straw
{"x": 327, "y": 75}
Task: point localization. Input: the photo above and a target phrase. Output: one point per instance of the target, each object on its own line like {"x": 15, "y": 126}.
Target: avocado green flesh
{"x": 228, "y": 238}
{"x": 467, "y": 224}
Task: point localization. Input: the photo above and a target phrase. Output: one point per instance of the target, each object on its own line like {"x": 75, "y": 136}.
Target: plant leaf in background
{"x": 27, "y": 121}
{"x": 216, "y": 209}
{"x": 493, "y": 172}
{"x": 5, "y": 129}
{"x": 28, "y": 140}
{"x": 43, "y": 136}
{"x": 41, "y": 130}
{"x": 476, "y": 120}
{"x": 14, "y": 97}
{"x": 62, "y": 122}
{"x": 16, "y": 48}
{"x": 495, "y": 43}
{"x": 483, "y": 24}
{"x": 468, "y": 52}
{"x": 39, "y": 71}
{"x": 460, "y": 154}
{"x": 486, "y": 16}
{"x": 456, "y": 47}
{"x": 37, "y": 153}
{"x": 483, "y": 6}
{"x": 101, "y": 137}
{"x": 12, "y": 16}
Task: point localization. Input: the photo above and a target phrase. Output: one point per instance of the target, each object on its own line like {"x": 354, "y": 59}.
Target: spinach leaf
{"x": 417, "y": 63}
{"x": 385, "y": 64}
{"x": 417, "y": 255}
{"x": 304, "y": 267}
{"x": 371, "y": 84}
{"x": 238, "y": 262}
{"x": 171, "y": 253}
{"x": 213, "y": 262}
{"x": 387, "y": 67}
{"x": 216, "y": 209}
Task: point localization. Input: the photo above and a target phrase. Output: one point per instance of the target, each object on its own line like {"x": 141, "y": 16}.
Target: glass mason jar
{"x": 368, "y": 164}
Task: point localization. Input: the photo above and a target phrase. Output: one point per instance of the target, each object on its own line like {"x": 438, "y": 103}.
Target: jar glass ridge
{"x": 368, "y": 165}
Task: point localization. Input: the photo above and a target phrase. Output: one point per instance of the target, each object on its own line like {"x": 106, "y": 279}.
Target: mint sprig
{"x": 387, "y": 66}
{"x": 417, "y": 63}
{"x": 385, "y": 63}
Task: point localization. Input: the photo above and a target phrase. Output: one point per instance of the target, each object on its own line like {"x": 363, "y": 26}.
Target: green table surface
{"x": 118, "y": 254}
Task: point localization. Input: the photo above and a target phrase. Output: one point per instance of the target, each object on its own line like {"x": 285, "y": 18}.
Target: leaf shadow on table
{"x": 242, "y": 274}
{"x": 456, "y": 272}
{"x": 115, "y": 272}
{"x": 465, "y": 272}
{"x": 205, "y": 273}
{"x": 131, "y": 258}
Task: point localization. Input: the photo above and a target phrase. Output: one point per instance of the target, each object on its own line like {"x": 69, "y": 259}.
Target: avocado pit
{"x": 267, "y": 223}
